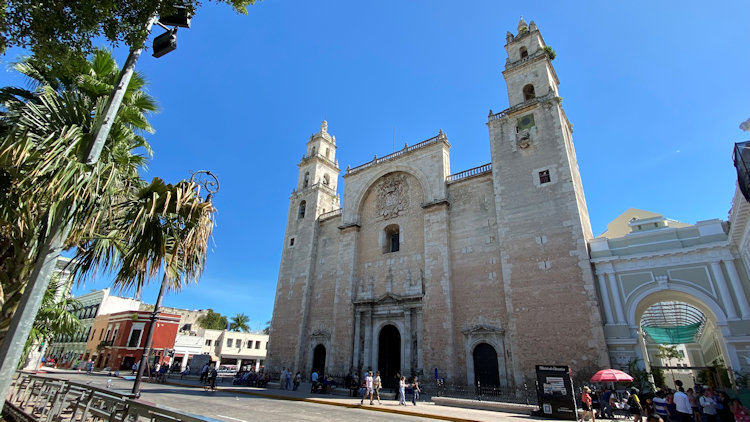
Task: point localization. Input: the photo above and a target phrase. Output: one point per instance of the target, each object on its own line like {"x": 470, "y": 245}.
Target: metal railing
{"x": 520, "y": 395}
{"x": 48, "y": 399}
{"x": 439, "y": 137}
{"x": 486, "y": 168}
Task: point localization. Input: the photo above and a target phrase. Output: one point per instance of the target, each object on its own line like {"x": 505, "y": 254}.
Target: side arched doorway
{"x": 389, "y": 355}
{"x": 319, "y": 359}
{"x": 486, "y": 370}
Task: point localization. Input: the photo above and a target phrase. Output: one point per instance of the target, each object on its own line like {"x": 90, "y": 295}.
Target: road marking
{"x": 229, "y": 417}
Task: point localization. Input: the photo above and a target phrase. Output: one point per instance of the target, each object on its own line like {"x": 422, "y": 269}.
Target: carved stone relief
{"x": 393, "y": 196}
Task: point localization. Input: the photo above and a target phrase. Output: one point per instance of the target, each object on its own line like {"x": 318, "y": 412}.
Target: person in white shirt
{"x": 708, "y": 403}
{"x": 368, "y": 388}
{"x": 682, "y": 403}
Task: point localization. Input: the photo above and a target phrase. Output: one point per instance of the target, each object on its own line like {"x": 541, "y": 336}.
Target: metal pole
{"x": 23, "y": 319}
{"x": 149, "y": 337}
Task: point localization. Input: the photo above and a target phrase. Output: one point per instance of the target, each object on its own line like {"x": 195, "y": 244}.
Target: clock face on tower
{"x": 525, "y": 122}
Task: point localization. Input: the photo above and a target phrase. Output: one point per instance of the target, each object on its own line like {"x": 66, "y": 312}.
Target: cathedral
{"x": 477, "y": 276}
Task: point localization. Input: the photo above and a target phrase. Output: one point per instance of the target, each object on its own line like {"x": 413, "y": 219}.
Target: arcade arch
{"x": 693, "y": 324}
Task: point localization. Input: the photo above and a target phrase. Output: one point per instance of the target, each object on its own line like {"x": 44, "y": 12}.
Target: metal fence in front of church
{"x": 522, "y": 395}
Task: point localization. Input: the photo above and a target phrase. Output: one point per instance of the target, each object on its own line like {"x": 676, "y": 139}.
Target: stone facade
{"x": 481, "y": 274}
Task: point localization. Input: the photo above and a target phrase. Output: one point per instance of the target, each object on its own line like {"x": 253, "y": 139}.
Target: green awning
{"x": 673, "y": 335}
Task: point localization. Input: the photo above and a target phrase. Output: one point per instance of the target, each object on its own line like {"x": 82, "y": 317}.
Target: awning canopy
{"x": 673, "y": 322}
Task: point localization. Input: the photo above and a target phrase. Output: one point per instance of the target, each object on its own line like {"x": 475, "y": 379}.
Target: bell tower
{"x": 542, "y": 216}
{"x": 314, "y": 195}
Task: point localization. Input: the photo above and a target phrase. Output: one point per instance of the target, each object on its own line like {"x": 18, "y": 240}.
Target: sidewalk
{"x": 450, "y": 410}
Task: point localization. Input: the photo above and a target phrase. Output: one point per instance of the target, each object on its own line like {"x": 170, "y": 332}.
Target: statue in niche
{"x": 393, "y": 198}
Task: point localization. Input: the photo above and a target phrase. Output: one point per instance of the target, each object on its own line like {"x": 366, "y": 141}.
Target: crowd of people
{"x": 697, "y": 404}
{"x": 252, "y": 378}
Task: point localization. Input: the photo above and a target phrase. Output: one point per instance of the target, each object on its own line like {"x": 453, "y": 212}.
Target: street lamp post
{"x": 53, "y": 242}
{"x": 210, "y": 184}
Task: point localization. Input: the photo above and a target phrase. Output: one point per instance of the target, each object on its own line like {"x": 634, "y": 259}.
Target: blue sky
{"x": 655, "y": 91}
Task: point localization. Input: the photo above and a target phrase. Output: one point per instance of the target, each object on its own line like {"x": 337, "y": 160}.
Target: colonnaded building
{"x": 481, "y": 274}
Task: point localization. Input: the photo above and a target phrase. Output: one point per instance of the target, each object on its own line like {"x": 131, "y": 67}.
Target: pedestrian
{"x": 297, "y": 381}
{"x": 682, "y": 404}
{"x": 708, "y": 403}
{"x": 660, "y": 406}
{"x": 634, "y": 405}
{"x": 212, "y": 375}
{"x": 314, "y": 381}
{"x": 289, "y": 379}
{"x": 368, "y": 388}
{"x": 604, "y": 405}
{"x": 402, "y": 391}
{"x": 416, "y": 390}
{"x": 204, "y": 373}
{"x": 740, "y": 412}
{"x": 282, "y": 380}
{"x": 586, "y": 403}
{"x": 377, "y": 384}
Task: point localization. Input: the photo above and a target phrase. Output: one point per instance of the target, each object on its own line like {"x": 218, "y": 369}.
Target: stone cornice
{"x": 349, "y": 226}
{"x": 439, "y": 202}
{"x": 694, "y": 255}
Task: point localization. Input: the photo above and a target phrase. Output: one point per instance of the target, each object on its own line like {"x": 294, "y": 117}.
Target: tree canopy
{"x": 213, "y": 321}
{"x": 54, "y": 29}
{"x": 240, "y": 322}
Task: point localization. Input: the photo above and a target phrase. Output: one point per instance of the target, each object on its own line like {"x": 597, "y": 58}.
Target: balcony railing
{"x": 486, "y": 168}
{"x": 330, "y": 214}
{"x": 439, "y": 137}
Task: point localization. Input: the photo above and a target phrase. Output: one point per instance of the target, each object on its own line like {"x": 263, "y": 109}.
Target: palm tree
{"x": 43, "y": 132}
{"x": 161, "y": 228}
{"x": 240, "y": 322}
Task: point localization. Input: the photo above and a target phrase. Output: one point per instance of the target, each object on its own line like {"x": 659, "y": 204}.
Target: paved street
{"x": 245, "y": 404}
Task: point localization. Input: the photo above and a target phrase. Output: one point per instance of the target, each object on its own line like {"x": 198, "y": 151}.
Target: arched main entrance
{"x": 319, "y": 359}
{"x": 485, "y": 365}
{"x": 389, "y": 355}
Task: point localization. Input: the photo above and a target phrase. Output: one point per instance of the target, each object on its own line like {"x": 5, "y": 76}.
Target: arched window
{"x": 302, "y": 206}
{"x": 313, "y": 151}
{"x": 392, "y": 239}
{"x": 326, "y": 179}
{"x": 528, "y": 92}
{"x": 524, "y": 52}
{"x": 307, "y": 180}
{"x": 328, "y": 150}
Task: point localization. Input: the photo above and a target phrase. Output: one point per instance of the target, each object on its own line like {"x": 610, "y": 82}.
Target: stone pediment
{"x": 388, "y": 298}
{"x": 320, "y": 333}
{"x": 482, "y": 329}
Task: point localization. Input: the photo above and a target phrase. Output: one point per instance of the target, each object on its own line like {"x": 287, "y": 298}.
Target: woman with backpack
{"x": 634, "y": 404}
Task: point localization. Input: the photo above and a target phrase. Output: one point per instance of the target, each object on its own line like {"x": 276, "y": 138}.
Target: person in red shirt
{"x": 586, "y": 401}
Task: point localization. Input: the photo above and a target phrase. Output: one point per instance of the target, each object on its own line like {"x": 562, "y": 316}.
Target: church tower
{"x": 315, "y": 195}
{"x": 542, "y": 218}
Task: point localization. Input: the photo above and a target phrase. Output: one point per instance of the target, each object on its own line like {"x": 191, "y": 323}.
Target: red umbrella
{"x": 611, "y": 375}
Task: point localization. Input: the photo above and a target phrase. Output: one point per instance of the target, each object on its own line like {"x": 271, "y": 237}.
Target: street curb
{"x": 329, "y": 403}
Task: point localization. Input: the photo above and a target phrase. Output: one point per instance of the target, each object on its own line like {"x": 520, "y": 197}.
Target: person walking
{"x": 314, "y": 381}
{"x": 587, "y": 404}
{"x": 204, "y": 373}
{"x": 634, "y": 404}
{"x": 297, "y": 381}
{"x": 416, "y": 391}
{"x": 682, "y": 404}
{"x": 369, "y": 382}
{"x": 289, "y": 379}
{"x": 377, "y": 384}
{"x": 282, "y": 380}
{"x": 402, "y": 391}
